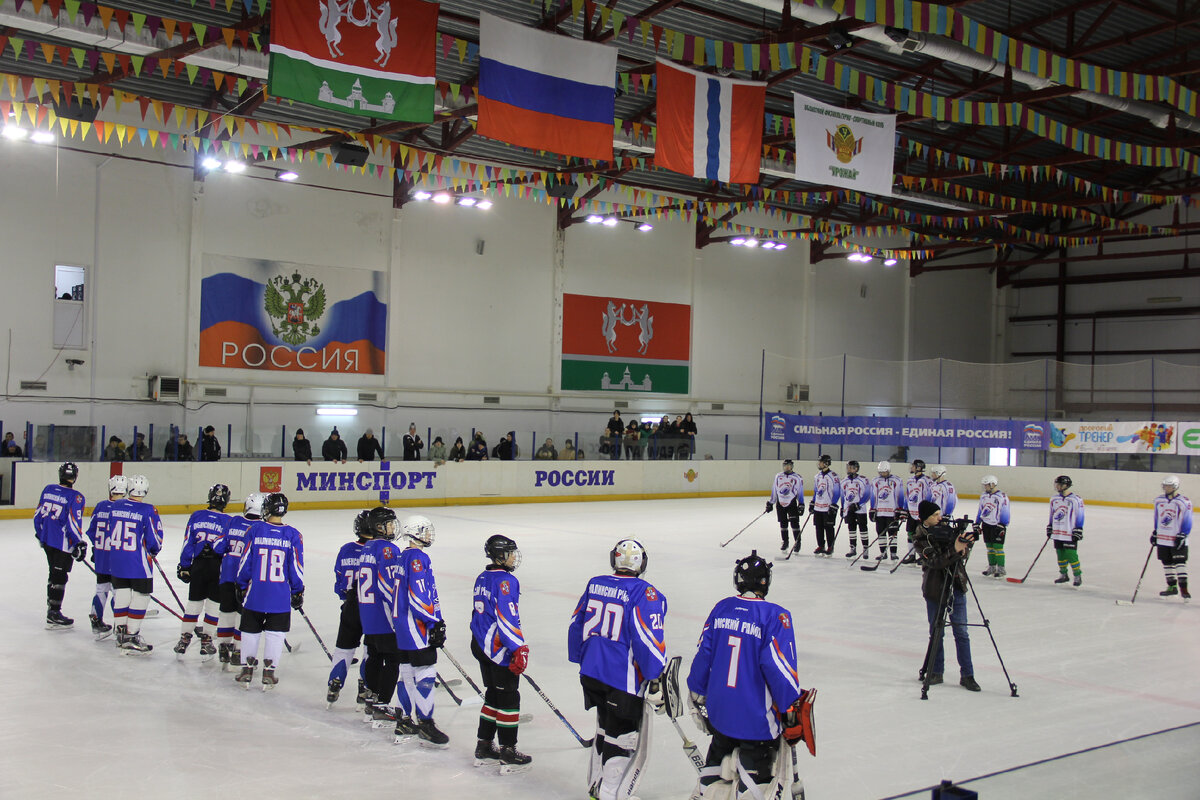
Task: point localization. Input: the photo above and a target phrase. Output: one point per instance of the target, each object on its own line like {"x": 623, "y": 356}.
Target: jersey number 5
{"x": 607, "y": 617}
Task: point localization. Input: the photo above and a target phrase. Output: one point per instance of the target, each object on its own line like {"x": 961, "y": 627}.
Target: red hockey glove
{"x": 520, "y": 660}
{"x": 798, "y": 722}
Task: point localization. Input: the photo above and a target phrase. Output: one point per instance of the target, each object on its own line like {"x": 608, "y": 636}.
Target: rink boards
{"x": 179, "y": 487}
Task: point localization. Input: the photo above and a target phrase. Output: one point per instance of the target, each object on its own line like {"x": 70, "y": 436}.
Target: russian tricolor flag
{"x": 544, "y": 91}
{"x": 708, "y": 126}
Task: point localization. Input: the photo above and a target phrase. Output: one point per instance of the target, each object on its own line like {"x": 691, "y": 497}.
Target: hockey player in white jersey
{"x": 827, "y": 489}
{"x": 887, "y": 506}
{"x": 941, "y": 491}
{"x": 1066, "y": 528}
{"x": 787, "y": 498}
{"x": 1172, "y": 528}
{"x": 856, "y": 498}
{"x": 992, "y": 521}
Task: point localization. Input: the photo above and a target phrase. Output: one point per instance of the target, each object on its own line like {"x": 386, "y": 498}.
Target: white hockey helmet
{"x": 253, "y": 504}
{"x": 418, "y": 529}
{"x": 1171, "y": 481}
{"x": 139, "y": 486}
{"x": 883, "y": 466}
{"x": 989, "y": 480}
{"x": 937, "y": 471}
{"x": 118, "y": 484}
{"x": 628, "y": 555}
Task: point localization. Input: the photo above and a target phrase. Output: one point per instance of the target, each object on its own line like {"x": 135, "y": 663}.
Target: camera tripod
{"x": 938, "y": 631}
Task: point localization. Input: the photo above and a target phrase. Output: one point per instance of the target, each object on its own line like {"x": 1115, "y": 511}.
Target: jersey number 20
{"x": 607, "y": 617}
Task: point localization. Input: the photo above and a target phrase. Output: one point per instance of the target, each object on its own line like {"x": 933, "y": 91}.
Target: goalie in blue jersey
{"x": 744, "y": 688}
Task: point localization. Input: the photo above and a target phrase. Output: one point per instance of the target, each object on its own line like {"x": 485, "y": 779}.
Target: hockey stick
{"x": 449, "y": 691}
{"x": 743, "y": 530}
{"x": 167, "y": 581}
{"x": 797, "y": 784}
{"x": 795, "y": 548}
{"x": 689, "y": 747}
{"x": 1133, "y": 599}
{"x": 833, "y": 541}
{"x": 911, "y": 548}
{"x": 891, "y": 531}
{"x": 583, "y": 742}
{"x": 176, "y": 614}
{"x": 1039, "y": 555}
{"x": 462, "y": 671}
{"x": 864, "y": 552}
{"x": 313, "y": 628}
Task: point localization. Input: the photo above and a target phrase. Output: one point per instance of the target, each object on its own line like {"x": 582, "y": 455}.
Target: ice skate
{"x": 268, "y": 677}
{"x": 990, "y": 571}
{"x": 334, "y": 689}
{"x": 207, "y": 648}
{"x": 185, "y": 639}
{"x": 1078, "y": 581}
{"x": 57, "y": 621}
{"x": 486, "y": 754}
{"x": 819, "y": 551}
{"x": 362, "y": 692}
{"x": 430, "y": 736}
{"x": 513, "y": 760}
{"x": 406, "y": 729}
{"x": 134, "y": 644}
{"x": 369, "y": 699}
{"x": 235, "y": 656}
{"x": 1062, "y": 578}
{"x": 784, "y": 548}
{"x": 223, "y": 654}
{"x": 382, "y": 716}
{"x": 100, "y": 629}
{"x": 894, "y": 556}
{"x": 1183, "y": 590}
{"x": 852, "y": 554}
{"x": 121, "y": 633}
{"x": 246, "y": 676}
{"x": 1000, "y": 572}
{"x": 1171, "y": 591}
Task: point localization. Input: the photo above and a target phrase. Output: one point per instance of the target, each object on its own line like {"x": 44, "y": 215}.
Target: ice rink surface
{"x": 80, "y": 720}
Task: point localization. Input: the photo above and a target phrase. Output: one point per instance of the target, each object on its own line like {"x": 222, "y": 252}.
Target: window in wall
{"x": 1001, "y": 457}
{"x": 70, "y": 330}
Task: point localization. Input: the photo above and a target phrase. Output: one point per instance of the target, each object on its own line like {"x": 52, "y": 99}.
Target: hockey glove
{"x": 298, "y": 600}
{"x": 656, "y": 697}
{"x": 520, "y": 660}
{"x": 871, "y": 514}
{"x": 1180, "y": 543}
{"x": 770, "y": 506}
{"x": 798, "y": 722}
{"x": 437, "y": 634}
{"x": 833, "y": 509}
{"x": 699, "y": 711}
{"x": 79, "y": 551}
{"x": 812, "y": 508}
{"x": 1076, "y": 534}
{"x": 1049, "y": 531}
{"x": 1153, "y": 537}
{"x": 183, "y": 573}
{"x": 851, "y": 509}
{"x": 241, "y": 596}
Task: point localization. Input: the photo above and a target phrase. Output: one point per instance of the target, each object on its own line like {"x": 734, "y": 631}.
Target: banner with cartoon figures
{"x": 619, "y": 344}
{"x": 1157, "y": 438}
{"x": 279, "y": 316}
{"x": 844, "y": 147}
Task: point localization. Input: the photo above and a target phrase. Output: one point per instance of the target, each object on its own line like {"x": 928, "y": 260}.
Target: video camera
{"x": 949, "y": 529}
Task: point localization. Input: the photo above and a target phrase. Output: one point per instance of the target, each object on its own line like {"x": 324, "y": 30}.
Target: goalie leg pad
{"x": 624, "y": 759}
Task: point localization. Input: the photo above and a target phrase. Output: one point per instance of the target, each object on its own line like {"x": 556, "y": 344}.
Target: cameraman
{"x": 943, "y": 552}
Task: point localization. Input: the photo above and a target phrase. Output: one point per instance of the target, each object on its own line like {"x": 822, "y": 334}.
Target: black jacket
{"x": 210, "y": 448}
{"x": 939, "y": 560}
{"x": 412, "y": 447}
{"x": 368, "y": 447}
{"x": 178, "y": 452}
{"x": 333, "y": 450}
{"x": 302, "y": 449}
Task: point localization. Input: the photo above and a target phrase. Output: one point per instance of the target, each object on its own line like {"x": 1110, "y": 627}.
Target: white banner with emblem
{"x": 844, "y": 147}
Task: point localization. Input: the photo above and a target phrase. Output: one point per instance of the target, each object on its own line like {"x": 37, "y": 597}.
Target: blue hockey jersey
{"x": 59, "y": 518}
{"x": 231, "y": 546}
{"x": 496, "y": 616}
{"x": 204, "y": 527}
{"x": 378, "y": 576}
{"x": 616, "y": 634}
{"x": 97, "y": 533}
{"x": 417, "y": 607}
{"x": 745, "y": 667}
{"x": 135, "y": 534}
{"x": 272, "y": 568}
{"x": 345, "y": 568}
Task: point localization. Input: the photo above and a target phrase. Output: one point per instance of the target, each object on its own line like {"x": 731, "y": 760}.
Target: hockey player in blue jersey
{"x": 200, "y": 568}
{"x": 270, "y": 580}
{"x": 230, "y": 548}
{"x": 376, "y": 581}
{"x": 345, "y": 586}
{"x": 616, "y": 637}
{"x": 744, "y": 688}
{"x": 97, "y": 533}
{"x": 827, "y": 490}
{"x": 58, "y": 526}
{"x": 136, "y": 537}
{"x": 420, "y": 630}
{"x": 499, "y": 646}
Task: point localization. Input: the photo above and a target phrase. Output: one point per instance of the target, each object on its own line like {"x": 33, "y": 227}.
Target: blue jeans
{"x": 962, "y": 642}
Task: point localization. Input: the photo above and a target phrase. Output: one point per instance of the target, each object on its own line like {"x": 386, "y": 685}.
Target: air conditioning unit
{"x": 165, "y": 388}
{"x": 797, "y": 393}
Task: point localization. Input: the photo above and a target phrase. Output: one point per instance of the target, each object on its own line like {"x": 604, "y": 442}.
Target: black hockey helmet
{"x": 918, "y": 465}
{"x": 361, "y": 529}
{"x": 68, "y": 473}
{"x": 824, "y": 460}
{"x": 787, "y": 462}
{"x": 381, "y": 523}
{"x": 275, "y": 505}
{"x": 852, "y": 463}
{"x": 1062, "y": 482}
{"x": 752, "y": 574}
{"x": 499, "y": 547}
{"x": 218, "y": 496}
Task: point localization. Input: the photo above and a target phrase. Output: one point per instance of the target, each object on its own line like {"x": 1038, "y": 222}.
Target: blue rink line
{"x": 927, "y": 789}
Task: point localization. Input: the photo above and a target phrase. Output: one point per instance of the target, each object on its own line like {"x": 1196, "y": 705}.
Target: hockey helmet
{"x": 139, "y": 486}
{"x": 418, "y": 529}
{"x": 628, "y": 555}
{"x": 787, "y": 464}
{"x": 1171, "y": 484}
{"x": 361, "y": 529}
{"x": 917, "y": 465}
{"x": 989, "y": 482}
{"x": 824, "y": 460}
{"x": 852, "y": 465}
{"x": 1062, "y": 483}
{"x": 499, "y": 548}
{"x": 275, "y": 505}
{"x": 253, "y": 505}
{"x": 937, "y": 471}
{"x": 381, "y": 523}
{"x": 752, "y": 574}
{"x": 218, "y": 496}
{"x": 68, "y": 473}
{"x": 884, "y": 467}
{"x": 118, "y": 484}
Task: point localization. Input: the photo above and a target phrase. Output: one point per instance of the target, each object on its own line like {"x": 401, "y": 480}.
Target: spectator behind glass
{"x": 334, "y": 449}
{"x": 368, "y": 446}
{"x": 613, "y": 431}
{"x": 507, "y": 448}
{"x": 412, "y": 443}
{"x": 437, "y": 451}
{"x": 179, "y": 450}
{"x": 115, "y": 451}
{"x": 458, "y": 452}
{"x": 568, "y": 451}
{"x": 139, "y": 450}
{"x": 547, "y": 452}
{"x": 687, "y": 429}
{"x": 633, "y": 435}
{"x": 10, "y": 448}
{"x": 478, "y": 451}
{"x": 210, "y": 446}
{"x": 301, "y": 447}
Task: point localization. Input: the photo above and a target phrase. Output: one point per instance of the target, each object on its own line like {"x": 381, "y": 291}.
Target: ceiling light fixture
{"x": 645, "y": 226}
{"x": 15, "y": 132}
{"x": 467, "y": 201}
{"x": 593, "y": 219}
{"x": 210, "y": 163}
{"x": 287, "y": 175}
{"x": 42, "y": 137}
{"x": 442, "y": 198}
{"x": 750, "y": 242}
{"x": 890, "y": 262}
{"x": 421, "y": 195}
{"x": 235, "y": 167}
{"x": 738, "y": 241}
{"x": 610, "y": 222}
{"x": 484, "y": 205}
{"x": 336, "y": 411}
